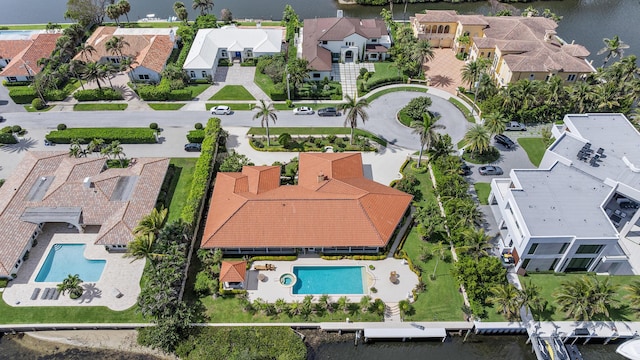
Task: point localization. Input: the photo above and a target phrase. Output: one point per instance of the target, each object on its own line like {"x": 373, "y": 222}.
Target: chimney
{"x": 549, "y": 35}
{"x": 321, "y": 177}
{"x": 339, "y": 14}
{"x": 87, "y": 182}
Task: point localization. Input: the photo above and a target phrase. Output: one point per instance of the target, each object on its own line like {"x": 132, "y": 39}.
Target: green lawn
{"x": 264, "y": 82}
{"x": 465, "y": 111}
{"x": 234, "y": 106}
{"x": 233, "y": 92}
{"x": 197, "y": 89}
{"x": 180, "y": 185}
{"x": 99, "y": 107}
{"x": 483, "y": 189}
{"x": 535, "y": 148}
{"x": 274, "y": 131}
{"x": 387, "y": 91}
{"x": 66, "y": 314}
{"x": 404, "y": 119}
{"x": 30, "y": 108}
{"x": 166, "y": 106}
{"x": 281, "y": 106}
{"x": 384, "y": 70}
{"x": 30, "y": 27}
{"x": 549, "y": 283}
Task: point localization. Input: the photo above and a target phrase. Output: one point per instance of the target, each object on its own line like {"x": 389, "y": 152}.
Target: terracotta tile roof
{"x": 41, "y": 46}
{"x": 233, "y": 271}
{"x": 10, "y": 48}
{"x": 472, "y": 20}
{"x": 147, "y": 49}
{"x": 67, "y": 189}
{"x": 332, "y": 205}
{"x": 334, "y": 29}
{"x": 438, "y": 16}
{"x": 376, "y": 48}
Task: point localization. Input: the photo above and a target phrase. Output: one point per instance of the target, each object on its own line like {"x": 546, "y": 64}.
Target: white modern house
{"x": 579, "y": 210}
{"x": 340, "y": 39}
{"x": 230, "y": 43}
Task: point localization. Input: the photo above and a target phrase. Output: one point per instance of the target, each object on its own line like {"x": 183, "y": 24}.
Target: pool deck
{"x": 270, "y": 289}
{"x": 119, "y": 274}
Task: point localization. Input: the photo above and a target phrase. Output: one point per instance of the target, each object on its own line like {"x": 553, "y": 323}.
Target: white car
{"x": 303, "y": 110}
{"x": 221, "y": 110}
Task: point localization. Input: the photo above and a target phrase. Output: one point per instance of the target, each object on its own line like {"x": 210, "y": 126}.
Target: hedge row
{"x": 275, "y": 258}
{"x": 195, "y": 136}
{"x": 123, "y": 135}
{"x": 200, "y": 180}
{"x": 25, "y": 95}
{"x": 370, "y": 85}
{"x": 7, "y": 138}
{"x": 97, "y": 94}
{"x": 15, "y": 83}
{"x": 163, "y": 92}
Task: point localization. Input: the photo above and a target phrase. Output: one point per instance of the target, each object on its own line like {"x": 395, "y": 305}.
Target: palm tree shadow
{"x": 547, "y": 312}
{"x": 441, "y": 81}
{"x": 22, "y": 145}
{"x": 620, "y": 313}
{"x": 90, "y": 292}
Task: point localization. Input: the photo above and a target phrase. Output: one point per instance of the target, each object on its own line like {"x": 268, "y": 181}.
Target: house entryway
{"x": 348, "y": 56}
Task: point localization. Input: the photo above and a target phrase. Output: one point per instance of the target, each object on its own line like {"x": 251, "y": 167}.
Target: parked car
{"x": 466, "y": 169}
{"x": 48, "y": 143}
{"x": 193, "y": 147}
{"x": 1, "y": 119}
{"x": 330, "y": 111}
{"x": 490, "y": 170}
{"x": 221, "y": 110}
{"x": 516, "y": 126}
{"x": 303, "y": 110}
{"x": 504, "y": 141}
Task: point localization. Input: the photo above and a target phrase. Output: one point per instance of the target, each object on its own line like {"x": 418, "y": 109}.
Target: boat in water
{"x": 630, "y": 349}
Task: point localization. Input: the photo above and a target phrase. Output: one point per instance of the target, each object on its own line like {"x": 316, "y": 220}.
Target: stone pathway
{"x": 392, "y": 313}
{"x": 347, "y": 75}
{"x": 444, "y": 71}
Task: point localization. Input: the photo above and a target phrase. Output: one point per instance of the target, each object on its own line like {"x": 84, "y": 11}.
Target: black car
{"x": 330, "y": 111}
{"x": 1, "y": 119}
{"x": 193, "y": 147}
{"x": 465, "y": 169}
{"x": 504, "y": 141}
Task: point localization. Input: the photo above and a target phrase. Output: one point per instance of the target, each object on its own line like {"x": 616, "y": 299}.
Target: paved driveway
{"x": 6, "y": 104}
{"x": 444, "y": 70}
{"x": 347, "y": 75}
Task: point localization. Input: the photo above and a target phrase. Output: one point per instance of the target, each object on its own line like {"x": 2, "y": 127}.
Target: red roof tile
{"x": 233, "y": 271}
{"x": 41, "y": 46}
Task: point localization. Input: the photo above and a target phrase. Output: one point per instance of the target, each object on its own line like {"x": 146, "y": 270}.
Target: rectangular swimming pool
{"x": 65, "y": 259}
{"x": 330, "y": 280}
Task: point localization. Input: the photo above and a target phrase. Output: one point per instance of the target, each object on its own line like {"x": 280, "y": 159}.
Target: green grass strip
{"x": 99, "y": 107}
{"x": 30, "y": 108}
{"x": 535, "y": 148}
{"x": 465, "y": 111}
{"x": 233, "y": 92}
{"x": 374, "y": 96}
{"x": 275, "y": 131}
{"x": 483, "y": 189}
{"x": 166, "y": 106}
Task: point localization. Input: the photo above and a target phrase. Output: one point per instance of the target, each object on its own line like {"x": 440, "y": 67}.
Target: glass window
{"x": 374, "y": 40}
{"x": 223, "y": 53}
{"x": 192, "y": 74}
{"x": 589, "y": 249}
{"x": 316, "y": 75}
{"x": 525, "y": 263}
{"x": 204, "y": 74}
{"x": 579, "y": 264}
{"x": 532, "y": 249}
{"x": 563, "y": 248}
{"x": 553, "y": 265}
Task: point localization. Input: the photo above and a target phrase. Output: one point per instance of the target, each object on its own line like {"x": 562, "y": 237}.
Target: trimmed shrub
{"x": 278, "y": 96}
{"x": 22, "y": 95}
{"x": 15, "y": 83}
{"x": 7, "y": 138}
{"x": 16, "y": 128}
{"x": 198, "y": 126}
{"x": 62, "y": 127}
{"x": 37, "y": 104}
{"x": 55, "y": 95}
{"x": 6, "y": 129}
{"x": 97, "y": 95}
{"x": 153, "y": 126}
{"x": 195, "y": 136}
{"x": 180, "y": 95}
{"x": 123, "y": 135}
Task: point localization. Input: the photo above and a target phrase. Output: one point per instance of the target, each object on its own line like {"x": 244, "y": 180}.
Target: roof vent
{"x": 339, "y": 13}
{"x": 87, "y": 182}
{"x": 321, "y": 177}
{"x": 549, "y": 35}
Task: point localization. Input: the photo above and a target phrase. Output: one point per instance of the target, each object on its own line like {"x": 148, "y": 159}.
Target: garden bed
{"x": 295, "y": 131}
{"x": 100, "y": 107}
{"x": 85, "y": 135}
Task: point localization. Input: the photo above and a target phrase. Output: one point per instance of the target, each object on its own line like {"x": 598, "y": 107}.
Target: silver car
{"x": 490, "y": 170}
{"x": 303, "y": 110}
{"x": 221, "y": 110}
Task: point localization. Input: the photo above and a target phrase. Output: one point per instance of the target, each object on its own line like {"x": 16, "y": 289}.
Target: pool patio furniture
{"x": 35, "y": 294}
{"x": 393, "y": 277}
{"x": 117, "y": 293}
{"x": 271, "y": 267}
{"x": 45, "y": 294}
{"x": 260, "y": 267}
{"x": 56, "y": 294}
{"x": 262, "y": 277}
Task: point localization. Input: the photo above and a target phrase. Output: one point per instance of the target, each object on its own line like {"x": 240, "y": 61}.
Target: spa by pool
{"x": 336, "y": 280}
{"x": 65, "y": 259}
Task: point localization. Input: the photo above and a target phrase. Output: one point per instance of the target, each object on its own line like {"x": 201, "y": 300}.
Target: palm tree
{"x": 298, "y": 71}
{"x": 476, "y": 242}
{"x": 93, "y": 72}
{"x": 441, "y": 146}
{"x": 602, "y": 296}
{"x": 280, "y": 306}
{"x": 76, "y": 67}
{"x": 141, "y": 247}
{"x": 108, "y": 70}
{"x": 295, "y": 308}
{"x": 85, "y": 50}
{"x": 115, "y": 45}
{"x": 530, "y": 297}
{"x": 204, "y": 6}
{"x": 113, "y": 12}
{"x": 426, "y": 129}
{"x": 365, "y": 303}
{"x": 124, "y": 7}
{"x": 422, "y": 52}
{"x": 354, "y": 109}
{"x": 116, "y": 150}
{"x": 634, "y": 293}
{"x": 573, "y": 298}
{"x": 152, "y": 223}
{"x": 343, "y": 304}
{"x": 472, "y": 70}
{"x": 95, "y": 145}
{"x": 614, "y": 47}
{"x": 581, "y": 94}
{"x": 72, "y": 285}
{"x": 495, "y": 122}
{"x": 506, "y": 299}
{"x": 265, "y": 113}
{"x": 477, "y": 138}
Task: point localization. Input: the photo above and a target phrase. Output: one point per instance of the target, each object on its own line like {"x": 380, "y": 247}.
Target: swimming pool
{"x": 65, "y": 259}
{"x": 330, "y": 280}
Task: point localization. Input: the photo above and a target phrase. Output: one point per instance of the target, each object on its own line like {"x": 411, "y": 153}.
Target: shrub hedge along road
{"x": 124, "y": 135}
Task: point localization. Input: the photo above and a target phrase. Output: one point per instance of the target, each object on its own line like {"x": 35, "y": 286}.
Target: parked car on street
{"x": 221, "y": 110}
{"x": 466, "y": 169}
{"x": 490, "y": 170}
{"x": 303, "y": 110}
{"x": 504, "y": 141}
{"x": 330, "y": 111}
{"x": 1, "y": 119}
{"x": 515, "y": 126}
{"x": 193, "y": 147}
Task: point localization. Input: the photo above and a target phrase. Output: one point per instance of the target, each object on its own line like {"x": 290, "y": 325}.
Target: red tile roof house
{"x": 53, "y": 187}
{"x": 20, "y": 57}
{"x": 150, "y": 48}
{"x": 233, "y": 274}
{"x": 339, "y": 39}
{"x": 333, "y": 209}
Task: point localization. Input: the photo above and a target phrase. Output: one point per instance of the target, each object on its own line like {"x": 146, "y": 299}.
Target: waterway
{"x": 585, "y": 21}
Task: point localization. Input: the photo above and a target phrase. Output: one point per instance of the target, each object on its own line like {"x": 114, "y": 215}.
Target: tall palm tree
{"x": 495, "y": 122}
{"x": 476, "y": 242}
{"x": 141, "y": 247}
{"x": 265, "y": 113}
{"x": 422, "y": 52}
{"x": 72, "y": 285}
{"x": 76, "y": 67}
{"x": 573, "y": 298}
{"x": 581, "y": 95}
{"x": 530, "y": 297}
{"x": 354, "y": 109}
{"x": 113, "y": 12}
{"x": 95, "y": 145}
{"x": 93, "y": 72}
{"x": 426, "y": 130}
{"x": 614, "y": 47}
{"x": 116, "y": 150}
{"x": 472, "y": 70}
{"x": 602, "y": 296}
{"x": 204, "y": 5}
{"x": 365, "y": 303}
{"x": 115, "y": 45}
{"x": 298, "y": 71}
{"x": 478, "y": 138}
{"x": 181, "y": 11}
{"x": 634, "y": 293}
{"x": 152, "y": 223}
{"x": 85, "y": 50}
{"x": 506, "y": 299}
{"x": 124, "y": 7}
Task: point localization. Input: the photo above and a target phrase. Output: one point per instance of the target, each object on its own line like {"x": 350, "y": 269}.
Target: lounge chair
{"x": 271, "y": 267}
{"x": 35, "y": 294}
{"x": 261, "y": 267}
{"x": 56, "y": 294}
{"x": 52, "y": 293}
{"x": 45, "y": 294}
